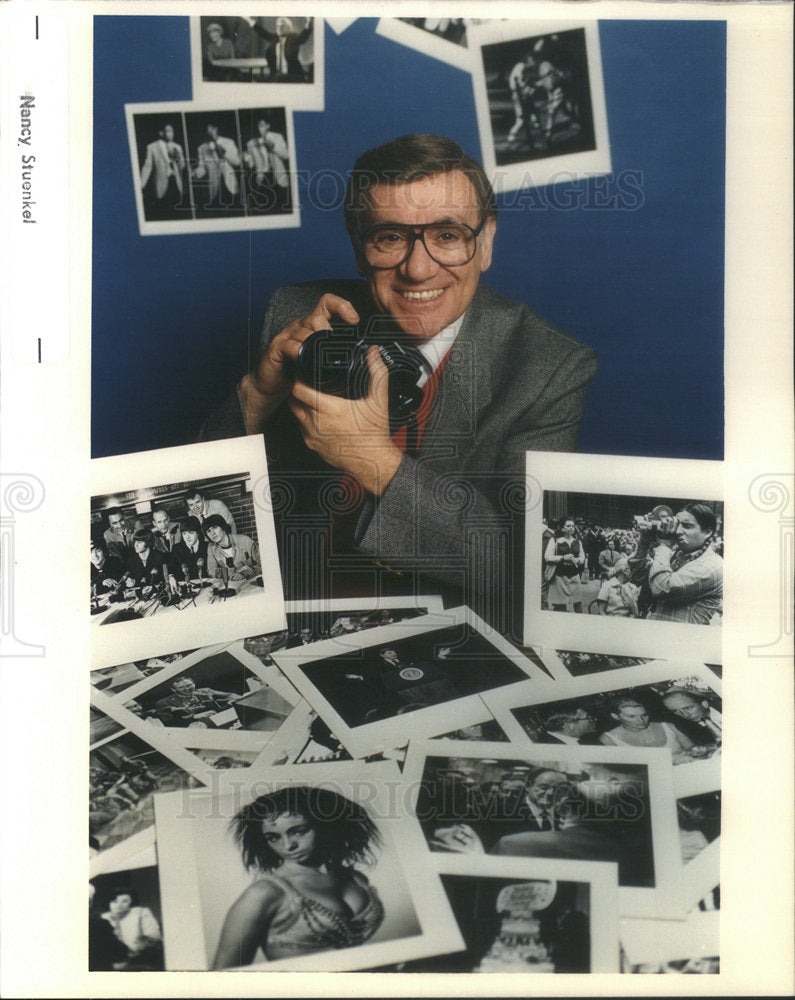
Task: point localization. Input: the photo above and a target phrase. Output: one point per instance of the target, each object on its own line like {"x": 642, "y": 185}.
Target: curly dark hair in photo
{"x": 345, "y": 834}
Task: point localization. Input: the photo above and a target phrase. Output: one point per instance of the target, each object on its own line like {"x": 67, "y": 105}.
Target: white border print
{"x": 628, "y": 790}
{"x": 420, "y": 677}
{"x": 246, "y": 680}
{"x": 251, "y": 611}
{"x": 448, "y": 42}
{"x": 202, "y": 874}
{"x": 568, "y": 66}
{"x": 213, "y": 195}
{"x": 303, "y": 95}
{"x": 598, "y": 878}
{"x": 523, "y": 720}
{"x": 613, "y": 476}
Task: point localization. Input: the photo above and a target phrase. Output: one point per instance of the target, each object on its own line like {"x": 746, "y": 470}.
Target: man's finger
{"x": 331, "y": 305}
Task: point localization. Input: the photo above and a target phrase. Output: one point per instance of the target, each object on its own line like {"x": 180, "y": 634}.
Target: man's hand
{"x": 264, "y": 389}
{"x": 352, "y": 434}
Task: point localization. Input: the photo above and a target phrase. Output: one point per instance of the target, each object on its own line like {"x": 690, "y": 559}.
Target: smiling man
{"x": 497, "y": 381}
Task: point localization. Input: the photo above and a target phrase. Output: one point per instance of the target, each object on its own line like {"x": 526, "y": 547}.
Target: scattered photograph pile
{"x": 387, "y": 785}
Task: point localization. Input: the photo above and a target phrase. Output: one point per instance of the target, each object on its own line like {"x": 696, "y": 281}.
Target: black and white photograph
{"x": 298, "y": 865}
{"x": 522, "y": 916}
{"x": 277, "y": 59}
{"x": 225, "y": 759}
{"x": 567, "y": 663}
{"x": 315, "y": 621}
{"x": 699, "y": 817}
{"x": 199, "y": 168}
{"x": 306, "y": 739}
{"x": 218, "y": 688}
{"x": 670, "y": 705}
{"x": 581, "y": 803}
{"x": 540, "y": 102}
{"x": 182, "y": 550}
{"x": 634, "y": 568}
{"x": 443, "y": 38}
{"x": 417, "y": 678}
{"x": 124, "y": 774}
{"x": 125, "y": 922}
{"x": 113, "y": 680}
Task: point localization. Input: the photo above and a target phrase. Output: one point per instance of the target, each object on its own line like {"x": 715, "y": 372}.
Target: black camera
{"x": 335, "y": 361}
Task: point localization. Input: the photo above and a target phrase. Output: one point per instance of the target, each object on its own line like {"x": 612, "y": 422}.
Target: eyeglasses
{"x": 450, "y": 244}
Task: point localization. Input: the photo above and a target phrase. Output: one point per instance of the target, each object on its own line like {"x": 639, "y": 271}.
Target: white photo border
{"x": 296, "y": 96}
{"x": 202, "y": 626}
{"x": 664, "y": 900}
{"x": 238, "y": 223}
{"x": 502, "y": 703}
{"x": 376, "y": 787}
{"x": 567, "y": 167}
{"x": 601, "y": 876}
{"x": 386, "y": 734}
{"x": 652, "y": 477}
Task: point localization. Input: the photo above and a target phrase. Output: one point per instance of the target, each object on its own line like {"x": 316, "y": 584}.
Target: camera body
{"x": 334, "y": 361}
{"x": 660, "y": 524}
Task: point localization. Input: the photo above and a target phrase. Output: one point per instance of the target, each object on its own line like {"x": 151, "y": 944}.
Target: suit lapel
{"x": 466, "y": 387}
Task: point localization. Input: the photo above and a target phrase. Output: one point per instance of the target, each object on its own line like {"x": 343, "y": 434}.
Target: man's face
{"x": 97, "y": 556}
{"x": 212, "y": 131}
{"x": 685, "y": 707}
{"x": 424, "y": 297}
{"x": 689, "y": 534}
{"x": 161, "y": 521}
{"x": 184, "y": 686}
{"x": 389, "y": 655}
{"x": 282, "y": 27}
{"x": 168, "y": 132}
{"x": 116, "y": 522}
{"x": 196, "y": 505}
{"x": 215, "y": 35}
{"x": 548, "y": 788}
{"x": 216, "y": 534}
{"x": 580, "y": 724}
{"x": 262, "y": 126}
{"x": 140, "y": 546}
{"x": 190, "y": 538}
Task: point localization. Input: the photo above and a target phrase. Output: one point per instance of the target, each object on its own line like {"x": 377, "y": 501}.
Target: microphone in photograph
{"x": 186, "y": 574}
{"x": 200, "y": 571}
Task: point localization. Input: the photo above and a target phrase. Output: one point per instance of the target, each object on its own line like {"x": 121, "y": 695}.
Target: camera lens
{"x": 326, "y": 360}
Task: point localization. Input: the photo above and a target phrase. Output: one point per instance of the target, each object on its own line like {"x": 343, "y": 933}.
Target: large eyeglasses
{"x": 450, "y": 244}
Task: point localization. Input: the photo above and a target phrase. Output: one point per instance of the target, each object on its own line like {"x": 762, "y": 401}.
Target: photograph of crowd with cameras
{"x": 659, "y": 559}
{"x": 396, "y": 418}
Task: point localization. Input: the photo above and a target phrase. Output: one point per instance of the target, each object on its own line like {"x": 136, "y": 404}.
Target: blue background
{"x": 176, "y": 318}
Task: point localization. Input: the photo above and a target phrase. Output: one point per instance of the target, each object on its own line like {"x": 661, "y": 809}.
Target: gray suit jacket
{"x": 512, "y": 383}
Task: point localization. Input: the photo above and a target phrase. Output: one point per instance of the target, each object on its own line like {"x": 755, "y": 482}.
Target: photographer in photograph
{"x": 677, "y": 560}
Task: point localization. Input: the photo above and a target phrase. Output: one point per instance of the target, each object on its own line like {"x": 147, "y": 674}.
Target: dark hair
{"x": 707, "y": 520}
{"x": 215, "y": 521}
{"x": 627, "y": 699}
{"x": 144, "y": 535}
{"x": 194, "y": 491}
{"x": 345, "y": 834}
{"x": 113, "y": 510}
{"x": 123, "y": 890}
{"x": 556, "y": 719}
{"x": 191, "y": 524}
{"x": 412, "y": 158}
